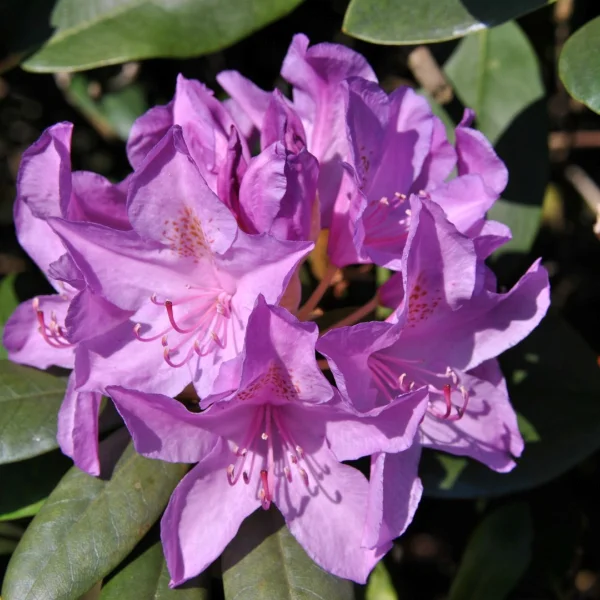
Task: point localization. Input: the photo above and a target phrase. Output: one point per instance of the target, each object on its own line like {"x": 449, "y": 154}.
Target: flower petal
{"x": 163, "y": 428}
{"x": 23, "y": 340}
{"x": 119, "y": 358}
{"x": 390, "y": 428}
{"x": 90, "y": 315}
{"x": 395, "y": 491}
{"x": 169, "y": 202}
{"x": 77, "y": 433}
{"x": 203, "y": 515}
{"x": 488, "y": 430}
{"x": 250, "y": 98}
{"x": 326, "y": 516}
{"x": 97, "y": 200}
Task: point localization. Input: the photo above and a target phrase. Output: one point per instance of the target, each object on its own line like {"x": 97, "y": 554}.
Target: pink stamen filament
{"x": 448, "y": 416}
{"x": 384, "y": 376}
{"x": 202, "y": 309}
{"x": 305, "y": 310}
{"x": 291, "y": 451}
{"x": 53, "y": 334}
{"x": 210, "y": 328}
{"x": 357, "y": 315}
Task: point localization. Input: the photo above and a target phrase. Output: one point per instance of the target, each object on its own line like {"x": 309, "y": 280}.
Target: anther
{"x": 288, "y": 473}
{"x": 304, "y": 476}
{"x": 300, "y": 452}
{"x": 264, "y": 437}
{"x": 230, "y": 473}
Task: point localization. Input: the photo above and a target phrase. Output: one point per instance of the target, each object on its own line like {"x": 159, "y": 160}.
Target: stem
{"x": 357, "y": 315}
{"x": 315, "y": 297}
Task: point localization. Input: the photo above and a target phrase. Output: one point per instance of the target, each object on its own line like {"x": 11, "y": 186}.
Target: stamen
{"x": 169, "y": 361}
{"x": 304, "y": 476}
{"x": 169, "y": 307}
{"x": 231, "y": 474}
{"x": 136, "y": 332}
{"x": 265, "y": 495}
{"x": 54, "y": 339}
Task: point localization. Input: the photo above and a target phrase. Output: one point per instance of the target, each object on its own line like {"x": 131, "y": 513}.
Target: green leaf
{"x": 26, "y": 484}
{"x": 380, "y": 585}
{"x": 496, "y": 556}
{"x": 579, "y": 64}
{"x": 29, "y": 403}
{"x": 113, "y": 113}
{"x": 147, "y": 578}
{"x": 265, "y": 561}
{"x": 554, "y": 383}
{"x": 8, "y": 298}
{"x": 8, "y": 303}
{"x": 10, "y": 534}
{"x": 410, "y": 22}
{"x": 497, "y": 74}
{"x": 87, "y": 527}
{"x": 105, "y": 32}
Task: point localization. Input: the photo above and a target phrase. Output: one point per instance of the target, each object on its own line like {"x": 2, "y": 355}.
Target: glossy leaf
{"x": 8, "y": 298}
{"x": 113, "y": 114}
{"x": 88, "y": 526}
{"x": 579, "y": 65}
{"x": 555, "y": 386}
{"x": 8, "y": 303}
{"x": 380, "y": 585}
{"x": 496, "y": 556}
{"x": 10, "y": 534}
{"x": 409, "y": 22}
{"x": 26, "y": 484}
{"x": 29, "y": 403}
{"x": 265, "y": 561}
{"x": 104, "y": 32}
{"x": 497, "y": 74}
{"x": 147, "y": 578}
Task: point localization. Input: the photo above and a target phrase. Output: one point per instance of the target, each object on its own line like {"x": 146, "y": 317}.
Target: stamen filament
{"x": 357, "y": 315}
{"x": 318, "y": 293}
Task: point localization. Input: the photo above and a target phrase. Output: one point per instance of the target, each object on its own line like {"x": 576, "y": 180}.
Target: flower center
{"x": 267, "y": 421}
{"x": 201, "y": 328}
{"x": 385, "y": 369}
{"x": 386, "y": 221}
{"x": 53, "y": 333}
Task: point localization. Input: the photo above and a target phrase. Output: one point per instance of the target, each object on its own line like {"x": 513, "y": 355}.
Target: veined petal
{"x": 122, "y": 267}
{"x": 170, "y": 203}
{"x": 163, "y": 428}
{"x": 395, "y": 491}
{"x": 23, "y": 340}
{"x": 390, "y": 428}
{"x": 488, "y": 430}
{"x": 97, "y": 200}
{"x": 78, "y": 427}
{"x": 326, "y": 516}
{"x": 203, "y": 515}
{"x": 249, "y": 97}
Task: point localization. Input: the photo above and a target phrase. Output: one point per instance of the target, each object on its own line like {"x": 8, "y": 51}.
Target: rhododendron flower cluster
{"x": 187, "y": 276}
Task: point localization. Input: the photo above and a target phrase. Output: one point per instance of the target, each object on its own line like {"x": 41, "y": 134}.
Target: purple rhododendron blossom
{"x": 186, "y": 269}
{"x": 40, "y": 333}
{"x": 269, "y": 443}
{"x": 187, "y": 275}
{"x": 448, "y": 329}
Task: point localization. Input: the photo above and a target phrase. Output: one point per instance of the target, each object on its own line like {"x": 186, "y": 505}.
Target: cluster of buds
{"x": 186, "y": 275}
